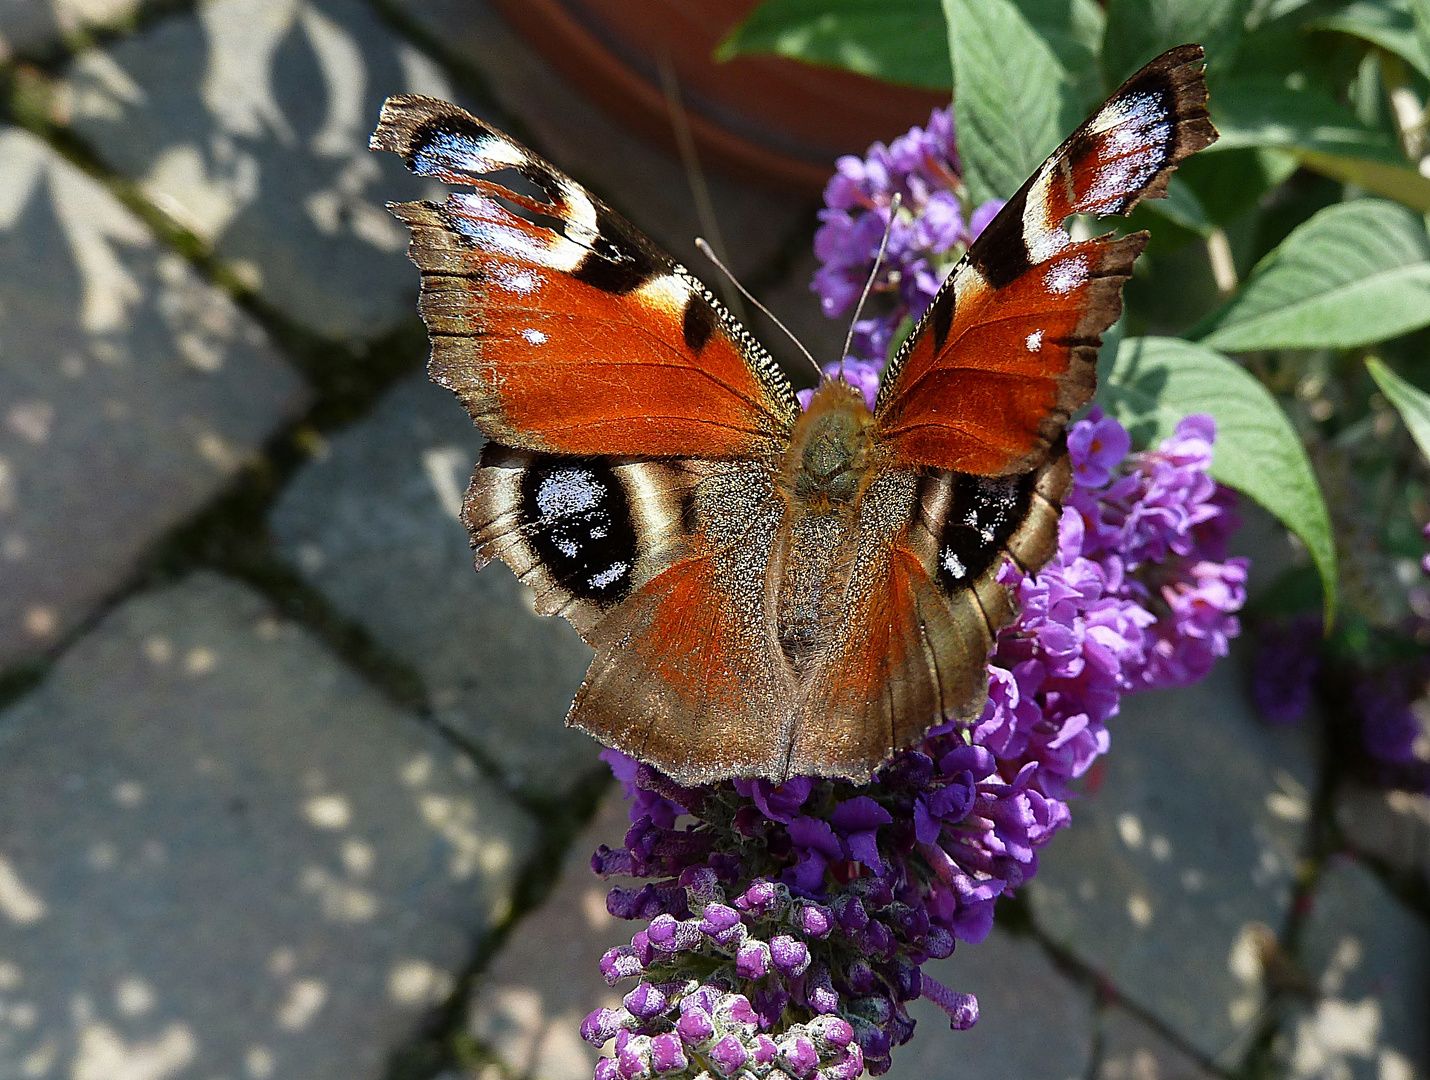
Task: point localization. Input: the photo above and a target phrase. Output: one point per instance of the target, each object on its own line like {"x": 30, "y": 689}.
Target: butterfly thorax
{"x": 827, "y": 470}
{"x": 830, "y": 449}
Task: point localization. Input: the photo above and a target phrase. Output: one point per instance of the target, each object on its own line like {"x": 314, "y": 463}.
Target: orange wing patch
{"x": 991, "y": 391}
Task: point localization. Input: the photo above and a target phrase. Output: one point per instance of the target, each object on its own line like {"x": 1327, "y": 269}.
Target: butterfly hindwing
{"x": 923, "y": 608}
{"x": 687, "y": 674}
{"x": 1007, "y": 350}
{"x": 560, "y": 327}
{"x": 899, "y": 656}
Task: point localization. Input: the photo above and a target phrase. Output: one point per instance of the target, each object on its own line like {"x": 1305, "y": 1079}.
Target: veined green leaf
{"x": 1154, "y": 382}
{"x": 1074, "y": 30}
{"x": 1410, "y": 401}
{"x": 1138, "y": 30}
{"x": 1011, "y": 95}
{"x": 1354, "y": 273}
{"x": 902, "y": 41}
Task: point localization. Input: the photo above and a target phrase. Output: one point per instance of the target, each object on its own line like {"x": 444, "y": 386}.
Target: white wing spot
{"x": 534, "y": 336}
{"x": 1034, "y": 341}
{"x": 580, "y": 218}
{"x": 1065, "y": 276}
{"x": 514, "y": 279}
{"x": 610, "y": 575}
{"x": 953, "y": 564}
{"x": 570, "y": 491}
{"x": 495, "y": 151}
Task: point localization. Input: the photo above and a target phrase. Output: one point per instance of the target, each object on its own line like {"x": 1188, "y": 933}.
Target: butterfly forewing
{"x": 1007, "y": 350}
{"x": 561, "y": 328}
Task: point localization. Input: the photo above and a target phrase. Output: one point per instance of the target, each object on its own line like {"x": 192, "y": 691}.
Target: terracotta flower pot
{"x": 767, "y": 119}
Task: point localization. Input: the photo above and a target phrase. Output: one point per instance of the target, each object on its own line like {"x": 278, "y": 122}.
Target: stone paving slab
{"x": 1033, "y": 1023}
{"x": 33, "y": 26}
{"x": 647, "y": 185}
{"x": 528, "y": 1006}
{"x": 1393, "y": 826}
{"x": 130, "y": 392}
{"x": 248, "y": 121}
{"x": 1183, "y": 856}
{"x": 1129, "y": 1049}
{"x": 1370, "y": 960}
{"x": 223, "y": 855}
{"x": 373, "y": 524}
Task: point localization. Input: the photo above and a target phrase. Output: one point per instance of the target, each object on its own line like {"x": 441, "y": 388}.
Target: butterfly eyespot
{"x": 577, "y": 521}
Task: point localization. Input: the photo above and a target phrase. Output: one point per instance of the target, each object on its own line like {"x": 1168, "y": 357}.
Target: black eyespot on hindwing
{"x": 577, "y": 519}
{"x": 982, "y": 514}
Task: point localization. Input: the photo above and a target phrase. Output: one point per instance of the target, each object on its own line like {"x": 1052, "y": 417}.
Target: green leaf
{"x": 1389, "y": 24}
{"x": 901, "y": 41}
{"x": 1010, "y": 95}
{"x": 1321, "y": 133}
{"x": 1397, "y": 182}
{"x": 1074, "y": 30}
{"x": 1138, "y": 30}
{"x": 1155, "y": 382}
{"x": 1354, "y": 273}
{"x": 1421, "y": 11}
{"x": 1411, "y": 402}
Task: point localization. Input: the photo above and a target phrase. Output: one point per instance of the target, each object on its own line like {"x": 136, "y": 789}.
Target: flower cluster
{"x": 929, "y": 233}
{"x": 1384, "y": 735}
{"x": 1139, "y": 596}
{"x": 787, "y": 927}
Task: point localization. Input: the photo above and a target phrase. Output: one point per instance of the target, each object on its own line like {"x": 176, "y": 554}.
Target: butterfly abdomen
{"x": 827, "y": 469}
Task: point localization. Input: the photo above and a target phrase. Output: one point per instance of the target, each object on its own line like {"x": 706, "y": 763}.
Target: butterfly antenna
{"x": 869, "y": 285}
{"x": 709, "y": 253}
{"x": 694, "y": 176}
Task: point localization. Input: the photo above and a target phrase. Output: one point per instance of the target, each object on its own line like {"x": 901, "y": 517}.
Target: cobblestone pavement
{"x": 284, "y": 791}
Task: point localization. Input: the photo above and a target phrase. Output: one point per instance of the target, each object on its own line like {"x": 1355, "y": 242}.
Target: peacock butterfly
{"x": 770, "y": 592}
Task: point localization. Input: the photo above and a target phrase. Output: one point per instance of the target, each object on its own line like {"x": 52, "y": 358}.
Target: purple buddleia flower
{"x": 1288, "y": 660}
{"x": 927, "y": 235}
{"x": 788, "y": 926}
